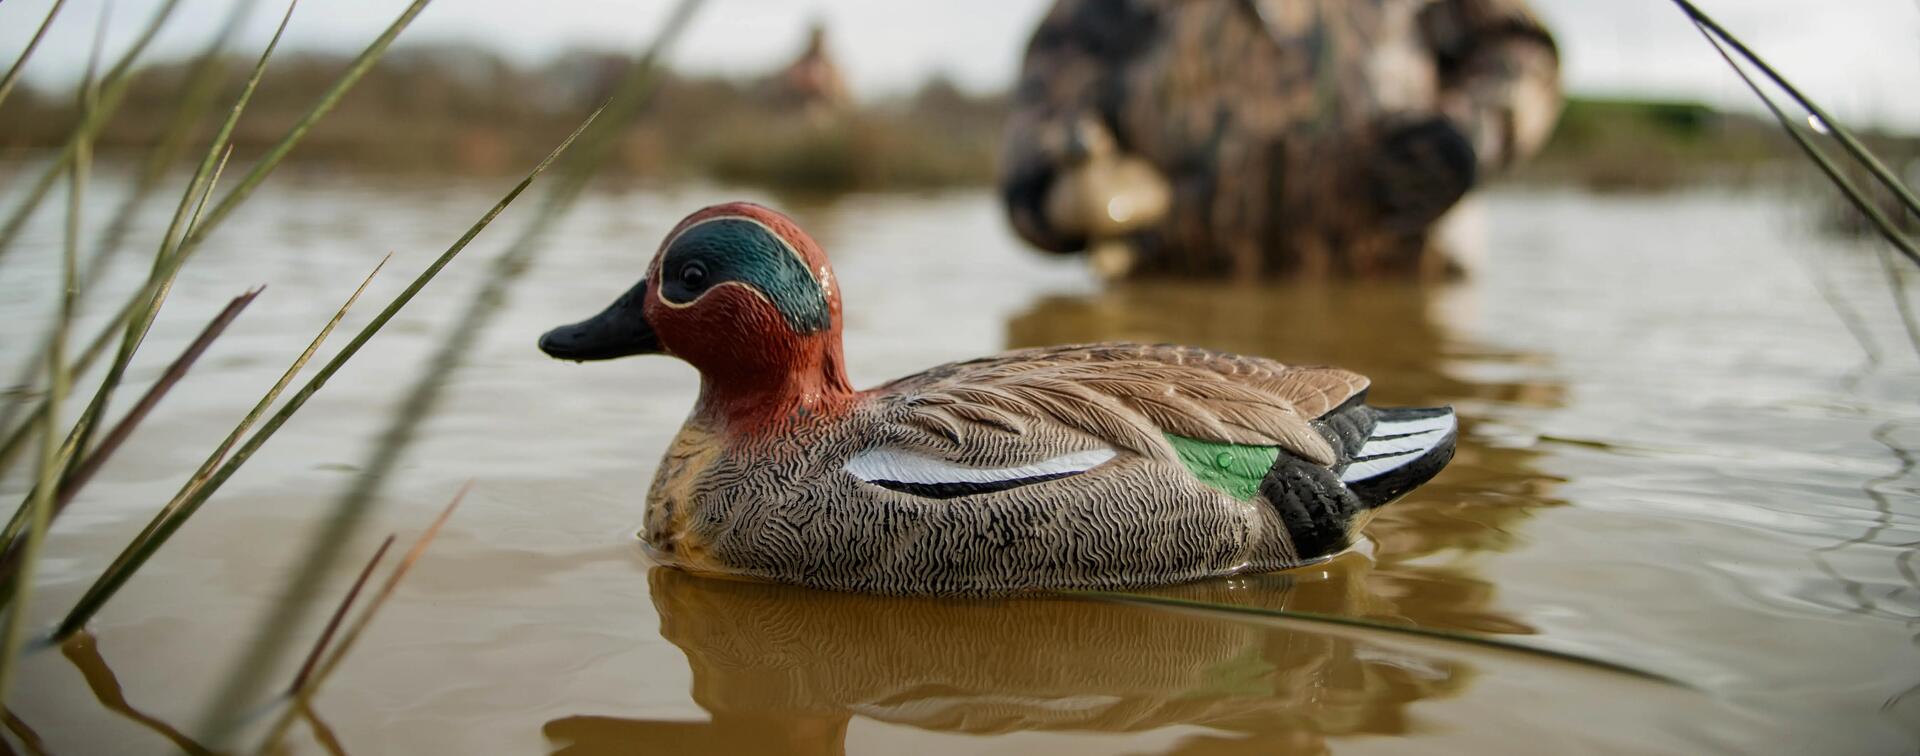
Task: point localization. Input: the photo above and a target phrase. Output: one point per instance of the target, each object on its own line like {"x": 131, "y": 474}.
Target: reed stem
{"x": 142, "y": 545}
{"x": 113, "y": 88}
{"x": 13, "y": 73}
{"x": 40, "y": 504}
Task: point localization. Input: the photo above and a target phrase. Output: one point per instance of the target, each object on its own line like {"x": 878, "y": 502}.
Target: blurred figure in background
{"x": 812, "y": 82}
{"x": 1259, "y": 138}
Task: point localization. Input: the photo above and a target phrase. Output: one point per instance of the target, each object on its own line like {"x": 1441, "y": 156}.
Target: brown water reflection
{"x": 783, "y": 670}
{"x": 1663, "y": 465}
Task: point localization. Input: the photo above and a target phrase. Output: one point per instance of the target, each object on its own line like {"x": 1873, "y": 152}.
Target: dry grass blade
{"x": 10, "y": 449}
{"x": 340, "y": 613}
{"x": 303, "y": 695}
{"x": 70, "y": 485}
{"x": 199, "y": 495}
{"x": 84, "y": 652}
{"x": 113, "y": 88}
{"x": 84, "y": 472}
{"x": 1840, "y": 133}
{"x": 142, "y": 546}
{"x": 70, "y": 451}
{"x": 1366, "y": 624}
{"x": 13, "y": 74}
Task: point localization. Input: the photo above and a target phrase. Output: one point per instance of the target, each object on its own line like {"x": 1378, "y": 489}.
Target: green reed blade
{"x": 325, "y": 546}
{"x": 195, "y": 97}
{"x": 1367, "y": 624}
{"x": 1841, "y": 133}
{"x": 174, "y": 373}
{"x": 13, "y": 74}
{"x": 68, "y": 487}
{"x": 113, "y": 88}
{"x": 175, "y": 254}
{"x": 143, "y": 302}
{"x": 253, "y": 443}
{"x": 271, "y": 159}
{"x": 116, "y": 572}
{"x": 577, "y": 169}
{"x": 40, "y": 504}
{"x": 189, "y": 242}
{"x": 74, "y": 448}
{"x": 16, "y": 440}
{"x": 168, "y": 259}
{"x": 1845, "y": 185}
{"x": 303, "y": 695}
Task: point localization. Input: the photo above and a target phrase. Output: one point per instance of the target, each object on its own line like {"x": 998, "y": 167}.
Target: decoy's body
{"x": 1094, "y": 466}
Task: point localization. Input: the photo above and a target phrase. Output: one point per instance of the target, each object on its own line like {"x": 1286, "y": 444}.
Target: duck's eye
{"x": 693, "y": 275}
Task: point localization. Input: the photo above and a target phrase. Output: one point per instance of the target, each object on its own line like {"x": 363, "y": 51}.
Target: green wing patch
{"x": 1234, "y": 469}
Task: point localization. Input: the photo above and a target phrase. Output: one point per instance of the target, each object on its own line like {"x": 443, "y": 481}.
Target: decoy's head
{"x": 738, "y": 291}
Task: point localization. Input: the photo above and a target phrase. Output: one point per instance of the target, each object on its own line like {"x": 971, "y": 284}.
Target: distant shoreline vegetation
{"x": 465, "y": 111}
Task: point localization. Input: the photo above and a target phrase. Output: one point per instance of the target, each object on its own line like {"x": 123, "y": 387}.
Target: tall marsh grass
{"x": 72, "y": 452}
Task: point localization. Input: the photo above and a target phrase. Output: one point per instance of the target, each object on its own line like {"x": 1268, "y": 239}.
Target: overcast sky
{"x": 1860, "y": 57}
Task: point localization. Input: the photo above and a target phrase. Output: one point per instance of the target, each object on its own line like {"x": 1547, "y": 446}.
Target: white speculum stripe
{"x": 1394, "y": 444}
{"x": 902, "y": 466}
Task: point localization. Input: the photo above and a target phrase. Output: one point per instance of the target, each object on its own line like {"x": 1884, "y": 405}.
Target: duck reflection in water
{"x": 783, "y": 669}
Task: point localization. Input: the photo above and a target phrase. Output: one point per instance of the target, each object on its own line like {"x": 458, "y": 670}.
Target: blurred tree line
{"x": 465, "y": 110}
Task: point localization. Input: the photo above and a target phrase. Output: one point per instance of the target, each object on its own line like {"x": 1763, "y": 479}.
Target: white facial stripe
{"x": 716, "y": 287}
{"x": 901, "y": 466}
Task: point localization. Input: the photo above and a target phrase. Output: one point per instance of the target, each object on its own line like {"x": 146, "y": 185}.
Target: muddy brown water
{"x": 1675, "y": 458}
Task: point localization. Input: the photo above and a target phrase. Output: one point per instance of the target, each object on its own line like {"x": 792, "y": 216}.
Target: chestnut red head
{"x": 738, "y": 291}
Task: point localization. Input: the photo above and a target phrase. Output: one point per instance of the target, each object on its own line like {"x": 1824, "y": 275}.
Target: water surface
{"x": 1675, "y": 457}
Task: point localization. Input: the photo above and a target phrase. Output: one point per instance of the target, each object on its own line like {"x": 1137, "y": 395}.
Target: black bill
{"x": 621, "y": 330}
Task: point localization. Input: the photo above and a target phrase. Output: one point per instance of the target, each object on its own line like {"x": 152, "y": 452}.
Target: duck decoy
{"x": 1089, "y": 466}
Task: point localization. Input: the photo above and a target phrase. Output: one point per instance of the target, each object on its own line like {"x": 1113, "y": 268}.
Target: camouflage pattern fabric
{"x": 1318, "y": 137}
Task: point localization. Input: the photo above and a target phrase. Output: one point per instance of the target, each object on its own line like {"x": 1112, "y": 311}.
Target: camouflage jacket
{"x": 1295, "y": 136}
